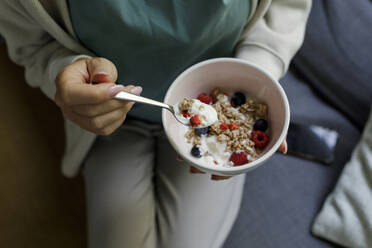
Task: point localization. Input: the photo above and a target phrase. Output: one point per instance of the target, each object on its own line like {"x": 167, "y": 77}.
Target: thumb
{"x": 101, "y": 70}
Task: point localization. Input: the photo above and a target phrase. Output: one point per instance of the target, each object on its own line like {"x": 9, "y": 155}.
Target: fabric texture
{"x": 346, "y": 216}
{"x": 270, "y": 41}
{"x": 49, "y": 34}
{"x": 336, "y": 56}
{"x": 151, "y": 43}
{"x": 139, "y": 195}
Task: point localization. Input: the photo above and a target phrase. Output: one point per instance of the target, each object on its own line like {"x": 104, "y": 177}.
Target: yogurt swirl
{"x": 189, "y": 109}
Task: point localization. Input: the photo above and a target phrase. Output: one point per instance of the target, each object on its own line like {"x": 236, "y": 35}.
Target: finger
{"x": 107, "y": 130}
{"x": 77, "y": 72}
{"x": 218, "y": 178}
{"x": 77, "y": 119}
{"x": 194, "y": 170}
{"x": 179, "y": 158}
{"x": 92, "y": 110}
{"x": 112, "y": 127}
{"x": 102, "y": 121}
{"x": 283, "y": 147}
{"x": 70, "y": 94}
{"x": 134, "y": 90}
{"x": 95, "y": 124}
{"x": 101, "y": 70}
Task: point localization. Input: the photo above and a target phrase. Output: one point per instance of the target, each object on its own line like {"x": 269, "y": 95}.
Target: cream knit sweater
{"x": 40, "y": 37}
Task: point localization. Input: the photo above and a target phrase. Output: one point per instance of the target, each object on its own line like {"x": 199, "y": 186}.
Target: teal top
{"x": 152, "y": 42}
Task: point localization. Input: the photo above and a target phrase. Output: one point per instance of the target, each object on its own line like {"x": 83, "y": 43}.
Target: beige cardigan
{"x": 40, "y": 37}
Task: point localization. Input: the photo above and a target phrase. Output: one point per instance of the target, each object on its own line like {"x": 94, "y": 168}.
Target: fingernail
{"x": 136, "y": 90}
{"x": 218, "y": 178}
{"x": 114, "y": 90}
{"x": 194, "y": 170}
{"x": 285, "y": 148}
{"x": 101, "y": 77}
{"x": 214, "y": 177}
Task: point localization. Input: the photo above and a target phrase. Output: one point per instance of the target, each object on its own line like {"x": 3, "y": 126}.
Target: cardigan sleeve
{"x": 276, "y": 36}
{"x": 29, "y": 45}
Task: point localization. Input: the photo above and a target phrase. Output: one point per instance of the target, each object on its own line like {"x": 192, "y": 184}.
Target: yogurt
{"x": 217, "y": 153}
{"x": 231, "y": 132}
{"x": 207, "y": 113}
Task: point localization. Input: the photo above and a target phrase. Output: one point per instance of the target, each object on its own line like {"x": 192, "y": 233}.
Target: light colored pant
{"x": 138, "y": 195}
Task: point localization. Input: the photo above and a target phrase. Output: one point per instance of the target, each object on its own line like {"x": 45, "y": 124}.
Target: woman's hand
{"x": 193, "y": 170}
{"x": 85, "y": 91}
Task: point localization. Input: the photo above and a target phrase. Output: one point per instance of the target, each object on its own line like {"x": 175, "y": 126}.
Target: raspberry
{"x": 185, "y": 113}
{"x": 239, "y": 158}
{"x": 224, "y": 126}
{"x": 260, "y": 139}
{"x": 195, "y": 120}
{"x": 204, "y": 98}
{"x": 233, "y": 126}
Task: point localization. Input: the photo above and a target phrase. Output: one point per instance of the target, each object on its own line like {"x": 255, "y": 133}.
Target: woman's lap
{"x": 120, "y": 193}
{"x": 138, "y": 195}
{"x": 193, "y": 210}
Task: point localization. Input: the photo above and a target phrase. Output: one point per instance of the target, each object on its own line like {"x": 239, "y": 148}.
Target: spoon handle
{"x": 123, "y": 95}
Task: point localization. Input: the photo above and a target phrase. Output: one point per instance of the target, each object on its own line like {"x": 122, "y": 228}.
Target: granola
{"x": 238, "y": 135}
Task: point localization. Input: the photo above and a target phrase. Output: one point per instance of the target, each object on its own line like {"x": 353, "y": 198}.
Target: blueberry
{"x": 201, "y": 131}
{"x": 260, "y": 125}
{"x": 195, "y": 151}
{"x": 238, "y": 98}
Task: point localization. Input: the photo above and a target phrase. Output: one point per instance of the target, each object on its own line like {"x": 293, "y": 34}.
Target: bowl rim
{"x": 264, "y": 157}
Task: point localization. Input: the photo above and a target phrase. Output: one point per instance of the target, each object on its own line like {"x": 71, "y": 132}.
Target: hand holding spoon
{"x": 123, "y": 95}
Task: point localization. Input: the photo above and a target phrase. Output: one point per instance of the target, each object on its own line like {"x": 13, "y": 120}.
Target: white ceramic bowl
{"x": 230, "y": 75}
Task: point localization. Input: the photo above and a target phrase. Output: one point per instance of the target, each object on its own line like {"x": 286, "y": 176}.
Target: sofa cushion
{"x": 336, "y": 56}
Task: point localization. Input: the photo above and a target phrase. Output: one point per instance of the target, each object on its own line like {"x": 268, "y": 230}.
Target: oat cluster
{"x": 236, "y": 137}
{"x": 186, "y": 104}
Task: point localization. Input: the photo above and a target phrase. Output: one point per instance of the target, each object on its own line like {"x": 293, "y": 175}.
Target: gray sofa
{"x": 329, "y": 84}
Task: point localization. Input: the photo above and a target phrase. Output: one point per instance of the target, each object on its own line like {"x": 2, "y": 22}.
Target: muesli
{"x": 237, "y": 137}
